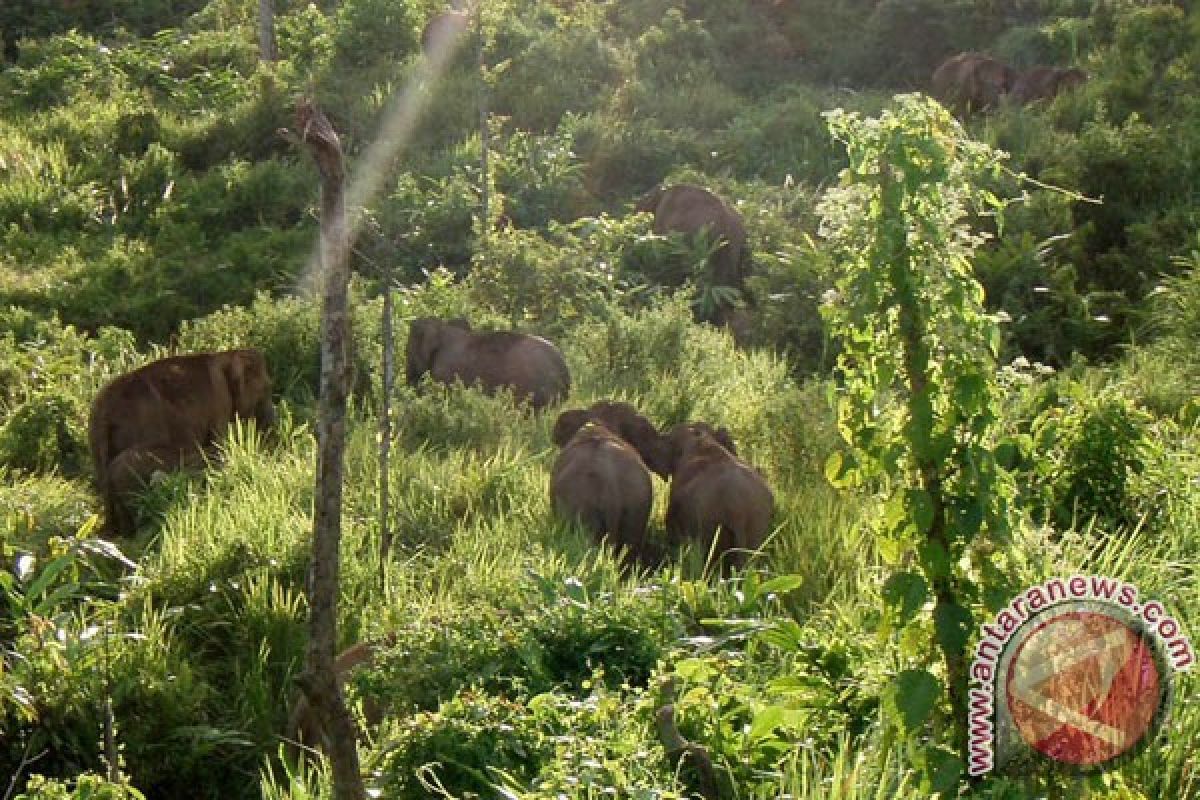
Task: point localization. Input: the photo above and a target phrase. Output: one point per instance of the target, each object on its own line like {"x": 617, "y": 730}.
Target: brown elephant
{"x": 442, "y": 30}
{"x": 169, "y": 414}
{"x": 972, "y": 82}
{"x": 600, "y": 480}
{"x": 304, "y": 728}
{"x": 623, "y": 420}
{"x": 691, "y": 210}
{"x": 450, "y": 351}
{"x": 714, "y": 494}
{"x": 1045, "y": 83}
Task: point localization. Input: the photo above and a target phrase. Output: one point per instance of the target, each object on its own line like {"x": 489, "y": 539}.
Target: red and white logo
{"x": 1084, "y": 688}
{"x": 1076, "y": 670}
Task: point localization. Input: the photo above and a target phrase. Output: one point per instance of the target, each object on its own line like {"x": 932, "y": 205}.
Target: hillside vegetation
{"x": 149, "y": 204}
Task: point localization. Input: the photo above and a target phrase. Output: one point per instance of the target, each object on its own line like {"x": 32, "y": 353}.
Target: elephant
{"x": 691, "y": 210}
{"x": 1045, "y": 83}
{"x": 450, "y": 351}
{"x": 714, "y": 494}
{"x": 972, "y": 82}
{"x": 170, "y": 414}
{"x": 304, "y": 728}
{"x": 600, "y": 480}
{"x": 623, "y": 420}
{"x": 442, "y": 30}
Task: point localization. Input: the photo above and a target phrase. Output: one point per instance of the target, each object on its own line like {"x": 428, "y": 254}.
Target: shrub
{"x": 584, "y": 67}
{"x": 471, "y": 745}
{"x": 1091, "y": 449}
{"x": 86, "y": 786}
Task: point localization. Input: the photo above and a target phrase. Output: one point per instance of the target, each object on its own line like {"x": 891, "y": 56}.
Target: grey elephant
{"x": 972, "y": 82}
{"x": 448, "y": 350}
{"x": 1045, "y": 83}
{"x": 170, "y": 414}
{"x": 691, "y": 210}
{"x": 714, "y": 494}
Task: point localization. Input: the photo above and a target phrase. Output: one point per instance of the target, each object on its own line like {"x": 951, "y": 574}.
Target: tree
{"x": 918, "y": 399}
{"x": 319, "y": 682}
{"x": 266, "y": 31}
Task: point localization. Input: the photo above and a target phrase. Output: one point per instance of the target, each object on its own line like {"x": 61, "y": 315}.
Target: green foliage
{"x": 86, "y": 786}
{"x": 917, "y": 401}
{"x": 1093, "y": 449}
{"x": 367, "y": 31}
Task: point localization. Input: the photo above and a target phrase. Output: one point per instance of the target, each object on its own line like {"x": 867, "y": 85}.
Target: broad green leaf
{"x": 942, "y": 771}
{"x": 952, "y": 626}
{"x": 914, "y": 693}
{"x": 934, "y": 559}
{"x": 905, "y": 592}
{"x": 1008, "y": 454}
{"x": 920, "y": 508}
{"x": 766, "y": 721}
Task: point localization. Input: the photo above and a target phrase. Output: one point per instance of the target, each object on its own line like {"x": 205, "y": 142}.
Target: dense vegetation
{"x": 148, "y": 204}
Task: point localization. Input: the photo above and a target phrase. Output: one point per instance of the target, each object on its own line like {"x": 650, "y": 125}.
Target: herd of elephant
{"x": 172, "y": 414}
{"x": 976, "y": 82}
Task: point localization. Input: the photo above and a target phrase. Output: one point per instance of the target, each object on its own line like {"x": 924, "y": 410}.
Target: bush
{"x": 470, "y": 746}
{"x": 87, "y": 786}
{"x": 1091, "y": 449}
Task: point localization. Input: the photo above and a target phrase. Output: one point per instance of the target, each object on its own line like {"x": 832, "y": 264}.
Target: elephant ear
{"x": 567, "y": 425}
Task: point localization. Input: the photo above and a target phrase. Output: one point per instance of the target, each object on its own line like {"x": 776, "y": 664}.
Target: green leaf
{"x": 935, "y": 561}
{"x": 1007, "y": 454}
{"x": 835, "y": 469}
{"x": 952, "y": 626}
{"x": 905, "y": 593}
{"x": 781, "y": 585}
{"x": 914, "y": 693}
{"x": 920, "y": 508}
{"x": 766, "y": 721}
{"x": 941, "y": 773}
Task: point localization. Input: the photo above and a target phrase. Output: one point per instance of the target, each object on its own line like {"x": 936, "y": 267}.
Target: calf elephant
{"x": 600, "y": 480}
{"x": 692, "y": 210}
{"x": 714, "y": 494}
{"x": 304, "y": 727}
{"x": 1044, "y": 83}
{"x": 972, "y": 82}
{"x": 169, "y": 414}
{"x": 450, "y": 351}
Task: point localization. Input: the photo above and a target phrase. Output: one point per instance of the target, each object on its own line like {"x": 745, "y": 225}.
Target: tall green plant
{"x": 917, "y": 401}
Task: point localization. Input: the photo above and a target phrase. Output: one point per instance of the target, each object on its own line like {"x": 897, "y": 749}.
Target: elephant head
{"x": 250, "y": 386}
{"x": 686, "y": 437}
{"x": 621, "y": 419}
{"x": 426, "y": 337}
{"x": 972, "y": 81}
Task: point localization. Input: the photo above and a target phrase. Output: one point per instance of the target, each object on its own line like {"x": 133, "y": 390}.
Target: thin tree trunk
{"x": 266, "y": 31}
{"x": 484, "y": 138}
{"x": 320, "y": 683}
{"x": 385, "y": 426}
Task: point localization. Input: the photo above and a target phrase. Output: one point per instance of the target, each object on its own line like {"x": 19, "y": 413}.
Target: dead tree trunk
{"x": 266, "y": 31}
{"x": 319, "y": 683}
